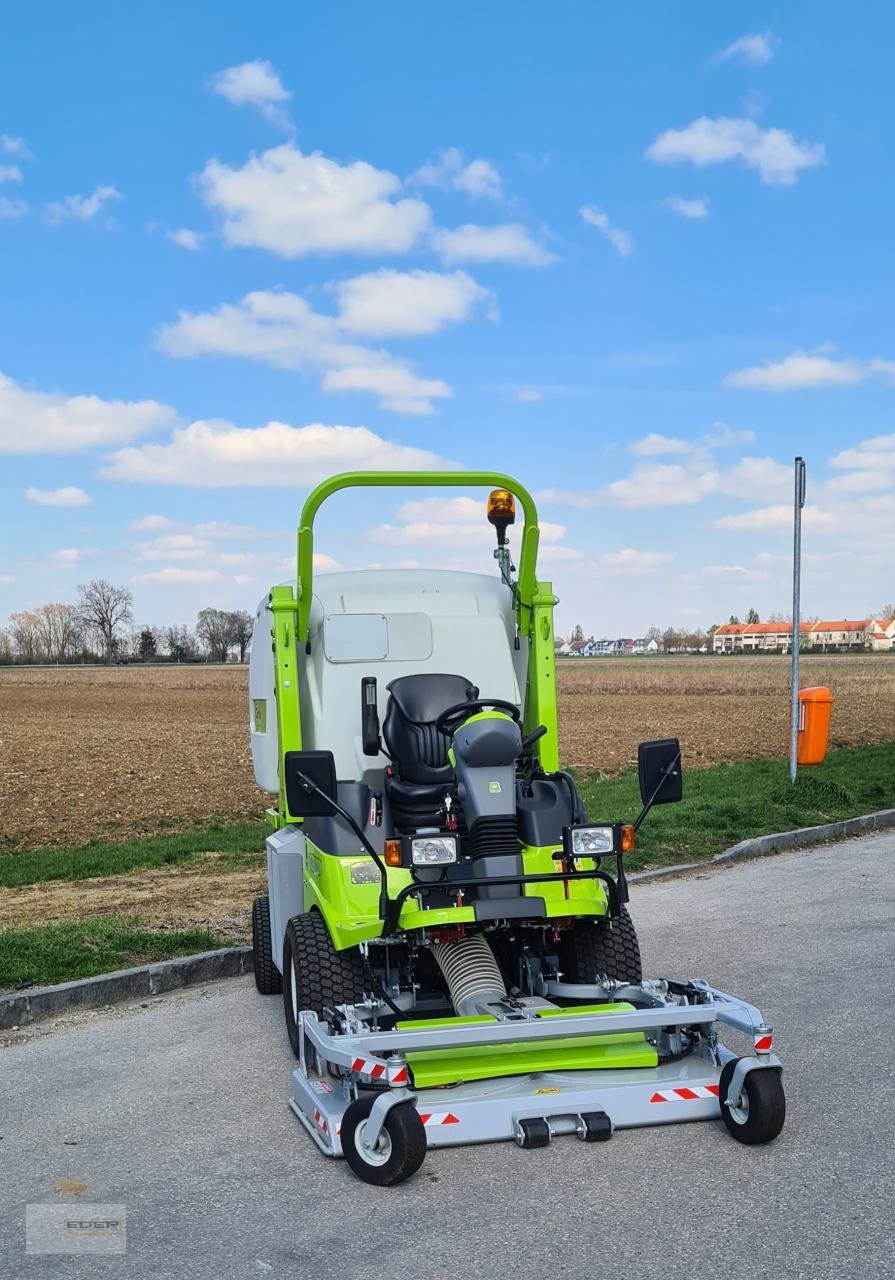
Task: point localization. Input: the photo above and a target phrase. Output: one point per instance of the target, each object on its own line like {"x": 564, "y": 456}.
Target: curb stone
{"x": 19, "y": 1008}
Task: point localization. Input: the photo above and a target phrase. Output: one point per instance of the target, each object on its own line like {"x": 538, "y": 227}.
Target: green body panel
{"x": 540, "y": 692}
{"x": 283, "y": 606}
{"x": 578, "y": 1053}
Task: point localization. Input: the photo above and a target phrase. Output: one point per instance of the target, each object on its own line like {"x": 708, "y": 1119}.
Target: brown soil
{"x": 92, "y": 752}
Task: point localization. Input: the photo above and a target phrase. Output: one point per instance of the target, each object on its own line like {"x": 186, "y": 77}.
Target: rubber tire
{"x": 767, "y": 1105}
{"x": 324, "y": 977}
{"x": 268, "y": 978}
{"x": 587, "y": 951}
{"x": 406, "y": 1133}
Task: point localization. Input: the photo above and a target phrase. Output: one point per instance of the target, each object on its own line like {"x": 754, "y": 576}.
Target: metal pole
{"x": 798, "y": 503}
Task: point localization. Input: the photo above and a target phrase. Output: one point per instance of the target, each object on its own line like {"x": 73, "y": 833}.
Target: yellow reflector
{"x": 629, "y": 838}
{"x": 501, "y": 506}
{"x": 393, "y": 853}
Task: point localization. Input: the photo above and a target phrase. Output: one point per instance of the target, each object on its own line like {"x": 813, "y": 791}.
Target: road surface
{"x": 178, "y": 1111}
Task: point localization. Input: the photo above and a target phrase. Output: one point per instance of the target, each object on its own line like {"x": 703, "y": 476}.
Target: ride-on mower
{"x": 448, "y": 927}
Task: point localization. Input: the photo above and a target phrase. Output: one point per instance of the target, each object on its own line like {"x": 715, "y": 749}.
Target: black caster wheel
{"x": 757, "y": 1115}
{"x": 400, "y": 1148}
{"x": 594, "y": 1126}
{"x": 532, "y": 1133}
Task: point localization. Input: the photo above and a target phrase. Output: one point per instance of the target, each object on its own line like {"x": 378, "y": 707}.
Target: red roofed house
{"x": 844, "y": 633}
{"x": 881, "y": 634}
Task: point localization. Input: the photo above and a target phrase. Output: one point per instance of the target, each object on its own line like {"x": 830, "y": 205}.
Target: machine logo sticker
{"x": 494, "y": 788}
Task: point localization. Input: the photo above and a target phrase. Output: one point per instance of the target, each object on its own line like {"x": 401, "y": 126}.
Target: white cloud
{"x": 860, "y": 481}
{"x": 630, "y": 560}
{"x": 7, "y": 577}
{"x": 509, "y": 243}
{"x": 68, "y": 496}
{"x": 10, "y": 173}
{"x": 255, "y": 84}
{"x": 529, "y": 395}
{"x": 174, "y": 546}
{"x": 655, "y": 484}
{"x": 478, "y": 178}
{"x": 798, "y": 372}
{"x": 11, "y": 146}
{"x": 149, "y": 524}
{"x": 621, "y": 241}
{"x": 173, "y": 574}
{"x": 324, "y": 563}
{"x": 67, "y": 555}
{"x": 723, "y": 436}
{"x": 655, "y": 444}
{"x": 695, "y": 208}
{"x": 454, "y": 523}
{"x": 735, "y": 572}
{"x": 188, "y": 239}
{"x": 207, "y": 455}
{"x": 79, "y": 208}
{"x": 386, "y": 304}
{"x": 12, "y": 208}
{"x": 774, "y": 153}
{"x": 47, "y": 422}
{"x": 774, "y": 517}
{"x": 661, "y": 485}
{"x": 875, "y": 454}
{"x": 754, "y": 50}
{"x": 283, "y": 330}
{"x": 293, "y": 204}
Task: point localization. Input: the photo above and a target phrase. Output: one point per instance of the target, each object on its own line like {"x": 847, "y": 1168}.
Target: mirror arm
{"x": 310, "y": 786}
{"x": 667, "y": 772}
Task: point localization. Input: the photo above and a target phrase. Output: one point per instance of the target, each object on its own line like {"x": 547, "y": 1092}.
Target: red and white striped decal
{"x": 378, "y": 1070}
{"x": 763, "y": 1044}
{"x": 320, "y": 1121}
{"x": 686, "y": 1095}
{"x": 438, "y": 1117}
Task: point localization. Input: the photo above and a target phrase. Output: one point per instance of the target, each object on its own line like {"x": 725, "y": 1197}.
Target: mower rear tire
{"x": 268, "y": 978}
{"x": 757, "y": 1115}
{"x": 401, "y": 1147}
{"x": 315, "y": 975}
{"x": 589, "y": 951}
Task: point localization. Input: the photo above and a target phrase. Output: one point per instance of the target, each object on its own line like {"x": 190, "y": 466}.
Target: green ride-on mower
{"x": 447, "y": 925}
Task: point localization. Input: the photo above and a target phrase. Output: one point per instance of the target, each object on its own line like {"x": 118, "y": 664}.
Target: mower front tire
{"x": 268, "y": 978}
{"x": 757, "y": 1115}
{"x": 399, "y": 1151}
{"x": 590, "y": 950}
{"x": 315, "y": 975}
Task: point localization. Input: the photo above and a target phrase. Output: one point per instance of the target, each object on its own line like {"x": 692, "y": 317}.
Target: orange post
{"x": 815, "y": 706}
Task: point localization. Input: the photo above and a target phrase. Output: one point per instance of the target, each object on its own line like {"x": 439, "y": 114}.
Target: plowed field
{"x": 88, "y": 751}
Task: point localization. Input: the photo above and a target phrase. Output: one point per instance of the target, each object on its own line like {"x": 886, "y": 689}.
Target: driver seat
{"x": 420, "y": 774}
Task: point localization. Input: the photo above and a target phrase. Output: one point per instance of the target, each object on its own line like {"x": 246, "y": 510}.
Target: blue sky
{"x": 639, "y": 256}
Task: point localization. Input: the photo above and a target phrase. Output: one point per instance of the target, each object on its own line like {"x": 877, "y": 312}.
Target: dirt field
{"x": 90, "y": 752}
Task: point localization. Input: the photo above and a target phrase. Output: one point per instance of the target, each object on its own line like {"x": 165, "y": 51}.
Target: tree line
{"x": 100, "y": 628}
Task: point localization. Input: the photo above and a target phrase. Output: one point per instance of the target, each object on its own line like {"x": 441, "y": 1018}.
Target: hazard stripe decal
{"x": 686, "y": 1095}
{"x": 763, "y": 1044}
{"x": 438, "y": 1117}
{"x": 378, "y": 1070}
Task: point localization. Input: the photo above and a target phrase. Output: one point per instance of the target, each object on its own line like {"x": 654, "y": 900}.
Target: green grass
{"x": 728, "y": 803}
{"x": 233, "y": 840}
{"x": 60, "y": 952}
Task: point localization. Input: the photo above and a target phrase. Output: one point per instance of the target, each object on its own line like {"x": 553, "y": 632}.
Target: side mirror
{"x": 659, "y": 771}
{"x": 317, "y": 768}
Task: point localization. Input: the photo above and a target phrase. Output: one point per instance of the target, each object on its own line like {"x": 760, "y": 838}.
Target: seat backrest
{"x": 418, "y": 750}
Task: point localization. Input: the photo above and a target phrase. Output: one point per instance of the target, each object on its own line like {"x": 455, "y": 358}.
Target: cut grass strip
{"x": 728, "y": 803}
{"x": 62, "y": 952}
{"x": 234, "y": 841}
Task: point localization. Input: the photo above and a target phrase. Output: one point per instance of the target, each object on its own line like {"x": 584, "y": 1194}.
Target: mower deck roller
{"x": 447, "y": 925}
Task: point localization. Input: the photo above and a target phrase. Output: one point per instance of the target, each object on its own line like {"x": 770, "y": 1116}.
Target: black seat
{"x": 421, "y": 773}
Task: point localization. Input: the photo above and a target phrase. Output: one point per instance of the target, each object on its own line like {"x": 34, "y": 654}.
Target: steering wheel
{"x": 450, "y": 720}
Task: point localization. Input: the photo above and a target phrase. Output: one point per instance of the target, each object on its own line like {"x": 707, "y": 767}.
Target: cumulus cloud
{"x": 187, "y": 239}
{"x": 67, "y": 496}
{"x": 293, "y": 204}
{"x": 655, "y": 445}
{"x": 282, "y": 329}
{"x": 10, "y": 173}
{"x": 798, "y": 372}
{"x": 695, "y": 208}
{"x": 48, "y": 422}
{"x": 755, "y": 50}
{"x": 509, "y": 243}
{"x": 630, "y": 560}
{"x": 451, "y": 172}
{"x": 387, "y": 304}
{"x": 11, "y": 146}
{"x": 79, "y": 208}
{"x": 67, "y": 555}
{"x": 173, "y": 574}
{"x": 208, "y": 455}
{"x": 874, "y": 454}
{"x": 777, "y": 156}
{"x": 656, "y": 484}
{"x": 255, "y": 84}
{"x": 734, "y": 572}
{"x": 455, "y": 522}
{"x": 621, "y": 241}
{"x": 10, "y": 209}
{"x": 778, "y": 516}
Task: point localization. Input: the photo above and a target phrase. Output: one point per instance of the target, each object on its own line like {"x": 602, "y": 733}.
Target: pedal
{"x": 593, "y": 1126}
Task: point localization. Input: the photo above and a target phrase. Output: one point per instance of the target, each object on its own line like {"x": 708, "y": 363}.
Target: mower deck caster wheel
{"x": 594, "y": 1126}
{"x": 757, "y": 1115}
{"x": 400, "y": 1148}
{"x": 532, "y": 1133}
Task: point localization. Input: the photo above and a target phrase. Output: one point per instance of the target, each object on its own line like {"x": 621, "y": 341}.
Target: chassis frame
{"x": 335, "y": 1064}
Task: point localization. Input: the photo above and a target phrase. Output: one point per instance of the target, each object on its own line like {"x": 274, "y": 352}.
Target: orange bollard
{"x": 815, "y": 706}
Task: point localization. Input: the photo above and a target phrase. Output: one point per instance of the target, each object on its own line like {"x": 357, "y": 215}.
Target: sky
{"x": 639, "y": 257}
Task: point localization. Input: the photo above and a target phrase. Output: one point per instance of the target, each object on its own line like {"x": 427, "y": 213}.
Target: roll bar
{"x": 528, "y": 554}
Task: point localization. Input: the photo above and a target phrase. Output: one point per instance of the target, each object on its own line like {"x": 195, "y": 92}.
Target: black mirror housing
{"x": 659, "y": 771}
{"x": 320, "y": 768}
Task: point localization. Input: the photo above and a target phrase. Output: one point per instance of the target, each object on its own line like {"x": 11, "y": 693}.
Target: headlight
{"x": 591, "y": 842}
{"x": 431, "y": 851}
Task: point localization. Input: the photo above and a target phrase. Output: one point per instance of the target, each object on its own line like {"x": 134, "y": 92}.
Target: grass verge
{"x": 80, "y": 949}
{"x": 232, "y": 840}
{"x": 731, "y": 802}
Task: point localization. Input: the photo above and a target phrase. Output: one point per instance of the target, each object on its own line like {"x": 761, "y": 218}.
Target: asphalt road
{"x": 178, "y": 1110}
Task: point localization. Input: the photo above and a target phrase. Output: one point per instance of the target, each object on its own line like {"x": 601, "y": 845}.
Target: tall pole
{"x": 798, "y": 503}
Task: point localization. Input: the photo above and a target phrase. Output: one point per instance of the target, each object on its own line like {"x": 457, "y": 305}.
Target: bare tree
{"x": 214, "y": 627}
{"x": 180, "y": 643}
{"x": 887, "y": 611}
{"x": 243, "y": 623}
{"x": 752, "y": 616}
{"x": 59, "y": 629}
{"x": 104, "y": 609}
{"x": 25, "y": 634}
{"x": 6, "y": 650}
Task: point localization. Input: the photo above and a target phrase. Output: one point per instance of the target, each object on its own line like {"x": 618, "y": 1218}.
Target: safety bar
{"x": 526, "y": 584}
